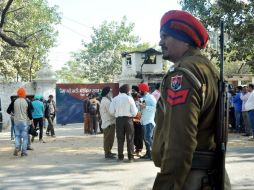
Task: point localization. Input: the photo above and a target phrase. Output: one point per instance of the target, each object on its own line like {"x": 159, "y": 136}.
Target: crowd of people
{"x": 129, "y": 115}
{"x": 241, "y": 110}
{"x": 28, "y": 116}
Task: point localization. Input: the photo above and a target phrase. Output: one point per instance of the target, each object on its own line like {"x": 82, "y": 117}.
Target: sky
{"x": 79, "y": 16}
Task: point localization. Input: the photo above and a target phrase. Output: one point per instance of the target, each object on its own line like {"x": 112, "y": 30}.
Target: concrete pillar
{"x": 45, "y": 82}
{"x": 252, "y": 80}
{"x": 239, "y": 82}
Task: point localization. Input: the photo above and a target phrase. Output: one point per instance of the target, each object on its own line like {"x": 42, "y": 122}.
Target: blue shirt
{"x": 148, "y": 113}
{"x": 237, "y": 102}
{"x": 38, "y": 109}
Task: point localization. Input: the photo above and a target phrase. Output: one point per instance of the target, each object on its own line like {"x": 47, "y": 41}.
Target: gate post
{"x": 45, "y": 82}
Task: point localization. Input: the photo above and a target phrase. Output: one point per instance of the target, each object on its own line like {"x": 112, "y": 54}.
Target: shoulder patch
{"x": 176, "y": 82}
{"x": 178, "y": 97}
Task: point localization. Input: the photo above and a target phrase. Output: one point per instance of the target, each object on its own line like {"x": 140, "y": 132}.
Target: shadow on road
{"x": 71, "y": 161}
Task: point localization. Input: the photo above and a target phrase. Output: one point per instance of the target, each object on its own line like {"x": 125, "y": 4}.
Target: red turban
{"x": 143, "y": 87}
{"x": 183, "y": 26}
{"x": 21, "y": 92}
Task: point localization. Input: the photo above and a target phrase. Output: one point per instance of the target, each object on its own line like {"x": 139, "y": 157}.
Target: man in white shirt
{"x": 244, "y": 97}
{"x": 249, "y": 106}
{"x": 124, "y": 109}
{"x": 108, "y": 122}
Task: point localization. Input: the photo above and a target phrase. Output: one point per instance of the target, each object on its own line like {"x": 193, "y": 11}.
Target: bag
{"x": 93, "y": 108}
{"x": 32, "y": 132}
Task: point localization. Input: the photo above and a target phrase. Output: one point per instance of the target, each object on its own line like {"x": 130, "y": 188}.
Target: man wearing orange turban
{"x": 148, "y": 107}
{"x": 22, "y": 111}
{"x": 21, "y": 92}
{"x": 186, "y": 112}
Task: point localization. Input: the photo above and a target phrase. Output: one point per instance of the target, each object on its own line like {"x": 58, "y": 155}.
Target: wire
{"x": 61, "y": 52}
{"x": 70, "y": 19}
{"x": 74, "y": 31}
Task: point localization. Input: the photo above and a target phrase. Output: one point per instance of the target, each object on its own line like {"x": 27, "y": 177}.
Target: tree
{"x": 239, "y": 24}
{"x": 29, "y": 28}
{"x": 3, "y": 32}
{"x": 100, "y": 59}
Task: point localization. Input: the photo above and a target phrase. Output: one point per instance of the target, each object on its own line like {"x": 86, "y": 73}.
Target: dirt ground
{"x": 72, "y": 160}
{"x": 76, "y": 161}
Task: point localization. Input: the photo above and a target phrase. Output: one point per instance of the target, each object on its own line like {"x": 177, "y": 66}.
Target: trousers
{"x": 125, "y": 129}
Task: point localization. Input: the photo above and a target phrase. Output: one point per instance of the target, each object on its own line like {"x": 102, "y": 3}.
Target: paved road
{"x": 240, "y": 163}
{"x": 75, "y": 161}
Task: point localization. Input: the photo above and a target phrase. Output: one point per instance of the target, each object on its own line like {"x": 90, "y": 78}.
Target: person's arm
{"x": 112, "y": 108}
{"x": 98, "y": 107}
{"x": 236, "y": 98}
{"x": 244, "y": 97}
{"x": 29, "y": 110}
{"x": 88, "y": 105}
{"x": 177, "y": 138}
{"x": 47, "y": 114}
{"x": 54, "y": 105}
{"x": 42, "y": 108}
{"x": 10, "y": 109}
{"x": 133, "y": 107}
{"x": 107, "y": 105}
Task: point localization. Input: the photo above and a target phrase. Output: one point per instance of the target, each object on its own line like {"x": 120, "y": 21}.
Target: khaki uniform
{"x": 185, "y": 121}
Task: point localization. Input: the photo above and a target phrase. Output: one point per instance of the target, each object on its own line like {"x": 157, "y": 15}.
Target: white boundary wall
{"x": 40, "y": 87}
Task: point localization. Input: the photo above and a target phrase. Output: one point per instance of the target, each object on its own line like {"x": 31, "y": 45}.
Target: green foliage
{"x": 239, "y": 24}
{"x": 100, "y": 60}
{"x": 31, "y": 22}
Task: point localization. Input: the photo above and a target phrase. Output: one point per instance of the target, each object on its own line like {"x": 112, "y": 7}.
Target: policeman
{"x": 186, "y": 112}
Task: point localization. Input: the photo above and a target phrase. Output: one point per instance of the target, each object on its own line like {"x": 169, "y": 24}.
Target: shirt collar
{"x": 189, "y": 52}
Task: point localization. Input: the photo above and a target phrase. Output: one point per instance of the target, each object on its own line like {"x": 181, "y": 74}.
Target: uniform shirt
{"x": 106, "y": 117}
{"x": 38, "y": 109}
{"x": 123, "y": 105}
{"x": 20, "y": 110}
{"x": 156, "y": 94}
{"x": 244, "y": 98}
{"x": 249, "y": 105}
{"x": 185, "y": 118}
{"x": 148, "y": 112}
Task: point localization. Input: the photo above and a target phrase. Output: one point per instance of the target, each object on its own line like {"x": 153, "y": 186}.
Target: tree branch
{"x": 15, "y": 33}
{"x": 240, "y": 68}
{"x": 250, "y": 63}
{"x": 6, "y": 38}
{"x": 4, "y": 12}
{"x": 11, "y": 41}
{"x": 14, "y": 10}
{"x": 24, "y": 38}
{"x": 32, "y": 34}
